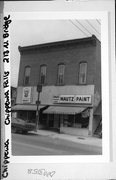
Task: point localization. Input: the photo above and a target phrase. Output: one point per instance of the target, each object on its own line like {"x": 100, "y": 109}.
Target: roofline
{"x": 91, "y": 39}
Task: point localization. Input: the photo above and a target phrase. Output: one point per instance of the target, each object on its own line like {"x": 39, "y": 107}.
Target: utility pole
{"x": 39, "y": 89}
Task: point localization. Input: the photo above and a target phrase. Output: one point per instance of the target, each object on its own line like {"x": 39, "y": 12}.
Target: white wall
{"x": 46, "y": 96}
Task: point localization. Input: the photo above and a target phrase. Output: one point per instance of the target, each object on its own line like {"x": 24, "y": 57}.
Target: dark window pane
{"x": 82, "y": 73}
{"x": 43, "y": 74}
{"x": 27, "y": 75}
{"x": 61, "y": 69}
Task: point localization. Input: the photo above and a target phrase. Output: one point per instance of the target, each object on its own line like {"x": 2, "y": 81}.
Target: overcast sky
{"x": 31, "y": 32}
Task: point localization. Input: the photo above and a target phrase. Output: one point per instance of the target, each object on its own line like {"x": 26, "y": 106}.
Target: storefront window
{"x": 28, "y": 116}
{"x": 32, "y": 116}
{"x": 83, "y": 73}
{"x": 27, "y": 75}
{"x": 80, "y": 121}
{"x": 43, "y": 74}
{"x": 76, "y": 121}
{"x": 61, "y": 69}
{"x": 68, "y": 120}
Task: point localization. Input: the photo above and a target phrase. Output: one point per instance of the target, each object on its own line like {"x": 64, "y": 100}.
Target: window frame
{"x": 24, "y": 80}
{"x": 60, "y": 64}
{"x": 79, "y": 81}
{"x": 42, "y": 65}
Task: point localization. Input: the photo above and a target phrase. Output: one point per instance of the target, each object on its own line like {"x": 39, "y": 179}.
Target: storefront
{"x": 67, "y": 109}
{"x": 69, "y": 114}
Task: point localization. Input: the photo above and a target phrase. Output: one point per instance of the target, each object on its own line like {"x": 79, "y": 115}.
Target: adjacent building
{"x": 13, "y": 95}
{"x": 70, "y": 74}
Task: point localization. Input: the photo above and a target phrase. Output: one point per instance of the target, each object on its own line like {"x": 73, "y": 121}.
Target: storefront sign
{"x": 79, "y": 99}
{"x": 26, "y": 95}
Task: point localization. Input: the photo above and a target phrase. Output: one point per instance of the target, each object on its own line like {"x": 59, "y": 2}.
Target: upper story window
{"x": 43, "y": 74}
{"x": 83, "y": 73}
{"x": 27, "y": 75}
{"x": 61, "y": 69}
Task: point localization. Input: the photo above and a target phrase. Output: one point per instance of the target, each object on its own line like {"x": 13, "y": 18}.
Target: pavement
{"x": 93, "y": 141}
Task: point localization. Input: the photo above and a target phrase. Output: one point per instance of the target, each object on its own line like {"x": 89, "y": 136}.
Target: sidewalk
{"x": 93, "y": 141}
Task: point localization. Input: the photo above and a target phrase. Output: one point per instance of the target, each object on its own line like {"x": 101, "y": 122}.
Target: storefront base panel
{"x": 74, "y": 131}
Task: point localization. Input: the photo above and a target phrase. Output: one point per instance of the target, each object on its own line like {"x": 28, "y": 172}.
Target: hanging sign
{"x": 79, "y": 99}
{"x": 26, "y": 95}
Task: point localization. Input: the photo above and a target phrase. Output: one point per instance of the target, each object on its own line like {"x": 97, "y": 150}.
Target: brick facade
{"x": 71, "y": 53}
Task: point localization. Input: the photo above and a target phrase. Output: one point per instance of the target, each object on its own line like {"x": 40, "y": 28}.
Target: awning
{"x": 63, "y": 110}
{"x": 25, "y": 107}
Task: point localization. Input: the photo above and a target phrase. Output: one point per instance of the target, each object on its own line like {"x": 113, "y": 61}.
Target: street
{"x": 32, "y": 144}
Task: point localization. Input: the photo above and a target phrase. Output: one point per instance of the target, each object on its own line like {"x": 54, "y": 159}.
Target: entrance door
{"x": 51, "y": 121}
{"x": 56, "y": 121}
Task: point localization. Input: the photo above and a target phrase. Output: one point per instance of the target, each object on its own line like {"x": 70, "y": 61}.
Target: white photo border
{"x": 103, "y": 16}
{"x": 102, "y": 168}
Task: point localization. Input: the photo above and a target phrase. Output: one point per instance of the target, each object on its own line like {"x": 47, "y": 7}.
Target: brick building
{"x": 13, "y": 95}
{"x": 70, "y": 74}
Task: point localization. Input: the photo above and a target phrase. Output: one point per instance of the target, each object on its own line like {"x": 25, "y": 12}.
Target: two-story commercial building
{"x": 70, "y": 74}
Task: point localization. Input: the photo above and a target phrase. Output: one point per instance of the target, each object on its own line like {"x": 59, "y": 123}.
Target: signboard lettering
{"x": 79, "y": 99}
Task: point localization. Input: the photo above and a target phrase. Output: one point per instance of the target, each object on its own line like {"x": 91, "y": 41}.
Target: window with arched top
{"x": 27, "y": 75}
{"x": 43, "y": 69}
{"x": 60, "y": 77}
{"x": 83, "y": 73}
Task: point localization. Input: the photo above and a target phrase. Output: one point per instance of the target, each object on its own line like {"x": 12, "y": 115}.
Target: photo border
{"x": 110, "y": 159}
{"x": 103, "y": 16}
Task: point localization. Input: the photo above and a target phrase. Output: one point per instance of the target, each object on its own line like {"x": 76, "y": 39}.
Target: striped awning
{"x": 63, "y": 110}
{"x": 25, "y": 107}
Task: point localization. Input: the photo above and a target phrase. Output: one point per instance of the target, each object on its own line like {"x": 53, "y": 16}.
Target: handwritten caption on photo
{"x": 41, "y": 172}
{"x": 6, "y": 86}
